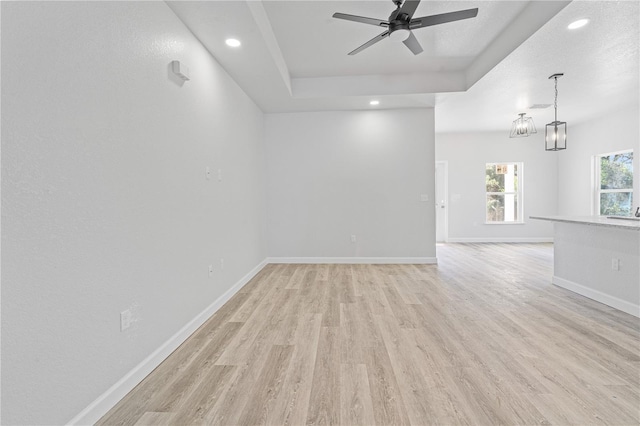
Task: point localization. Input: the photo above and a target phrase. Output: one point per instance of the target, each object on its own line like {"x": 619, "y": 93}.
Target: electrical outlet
{"x": 615, "y": 264}
{"x": 221, "y": 264}
{"x": 210, "y": 271}
{"x": 353, "y": 238}
{"x": 125, "y": 319}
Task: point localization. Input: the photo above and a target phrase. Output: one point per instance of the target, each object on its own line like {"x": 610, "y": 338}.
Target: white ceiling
{"x": 478, "y": 73}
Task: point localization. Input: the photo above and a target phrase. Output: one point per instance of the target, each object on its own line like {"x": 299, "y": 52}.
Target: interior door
{"x": 442, "y": 205}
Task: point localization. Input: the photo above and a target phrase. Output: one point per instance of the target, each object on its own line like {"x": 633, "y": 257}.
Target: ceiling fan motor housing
{"x": 399, "y": 26}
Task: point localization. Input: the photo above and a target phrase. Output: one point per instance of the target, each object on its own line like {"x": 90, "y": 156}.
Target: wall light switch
{"x": 424, "y": 197}
{"x": 615, "y": 264}
{"x": 219, "y": 175}
{"x": 210, "y": 271}
{"x": 125, "y": 319}
{"x": 353, "y": 238}
{"x": 207, "y": 172}
{"x": 221, "y": 264}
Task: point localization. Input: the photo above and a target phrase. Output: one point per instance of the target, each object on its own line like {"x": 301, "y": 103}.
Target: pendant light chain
{"x": 555, "y": 102}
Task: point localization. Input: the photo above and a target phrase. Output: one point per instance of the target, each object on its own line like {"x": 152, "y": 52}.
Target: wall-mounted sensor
{"x": 180, "y": 70}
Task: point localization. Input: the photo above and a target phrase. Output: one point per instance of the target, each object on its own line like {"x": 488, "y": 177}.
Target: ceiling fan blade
{"x": 443, "y": 18}
{"x": 412, "y": 43}
{"x": 409, "y": 7}
{"x": 370, "y": 43}
{"x": 355, "y": 18}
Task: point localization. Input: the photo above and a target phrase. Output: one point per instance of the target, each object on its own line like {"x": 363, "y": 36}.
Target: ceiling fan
{"x": 401, "y": 22}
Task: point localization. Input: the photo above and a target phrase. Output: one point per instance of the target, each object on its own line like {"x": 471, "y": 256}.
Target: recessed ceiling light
{"x": 374, "y": 103}
{"x": 232, "y": 42}
{"x": 578, "y": 24}
{"x": 540, "y": 106}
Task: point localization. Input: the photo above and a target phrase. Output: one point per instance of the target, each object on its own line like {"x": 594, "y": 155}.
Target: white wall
{"x": 104, "y": 199}
{"x": 467, "y": 155}
{"x": 617, "y": 131}
{"x": 336, "y": 174}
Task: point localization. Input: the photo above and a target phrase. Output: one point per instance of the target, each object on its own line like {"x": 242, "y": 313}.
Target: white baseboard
{"x": 502, "y": 240}
{"x": 598, "y": 296}
{"x": 98, "y": 408}
{"x": 354, "y": 260}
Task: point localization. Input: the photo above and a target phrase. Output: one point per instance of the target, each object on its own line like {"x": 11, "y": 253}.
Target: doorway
{"x": 442, "y": 202}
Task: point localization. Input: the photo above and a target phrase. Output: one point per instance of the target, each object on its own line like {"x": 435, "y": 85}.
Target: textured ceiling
{"x": 478, "y": 73}
{"x": 600, "y": 63}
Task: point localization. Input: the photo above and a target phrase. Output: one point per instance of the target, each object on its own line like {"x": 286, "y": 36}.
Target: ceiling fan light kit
{"x": 401, "y": 23}
{"x": 401, "y": 34}
{"x": 522, "y": 127}
{"x": 555, "y": 133}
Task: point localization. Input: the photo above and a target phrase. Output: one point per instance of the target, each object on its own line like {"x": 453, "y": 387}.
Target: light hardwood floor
{"x": 483, "y": 338}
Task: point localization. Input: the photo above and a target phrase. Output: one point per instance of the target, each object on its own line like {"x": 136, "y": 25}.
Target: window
{"x": 503, "y": 182}
{"x": 614, "y": 184}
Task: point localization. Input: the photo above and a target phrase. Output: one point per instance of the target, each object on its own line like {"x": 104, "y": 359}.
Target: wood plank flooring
{"x": 482, "y": 338}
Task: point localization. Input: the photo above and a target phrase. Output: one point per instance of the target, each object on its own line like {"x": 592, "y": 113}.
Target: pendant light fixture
{"x": 555, "y": 133}
{"x": 522, "y": 127}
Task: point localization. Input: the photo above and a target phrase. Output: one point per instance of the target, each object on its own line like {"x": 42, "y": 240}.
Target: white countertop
{"x": 633, "y": 225}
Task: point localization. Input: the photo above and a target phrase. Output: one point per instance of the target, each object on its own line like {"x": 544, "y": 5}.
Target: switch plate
{"x": 125, "y": 319}
{"x": 615, "y": 264}
{"x": 210, "y": 271}
{"x": 353, "y": 238}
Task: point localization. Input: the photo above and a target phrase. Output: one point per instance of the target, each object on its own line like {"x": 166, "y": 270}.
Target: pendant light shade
{"x": 555, "y": 133}
{"x": 522, "y": 127}
{"x": 555, "y": 136}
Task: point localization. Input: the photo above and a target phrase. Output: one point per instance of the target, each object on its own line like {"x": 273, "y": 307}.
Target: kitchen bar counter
{"x": 599, "y": 258}
{"x": 623, "y": 222}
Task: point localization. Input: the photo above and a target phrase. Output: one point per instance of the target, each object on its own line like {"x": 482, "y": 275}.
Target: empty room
{"x": 371, "y": 212}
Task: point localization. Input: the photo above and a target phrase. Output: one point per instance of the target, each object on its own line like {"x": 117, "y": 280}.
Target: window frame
{"x": 519, "y": 193}
{"x": 597, "y": 191}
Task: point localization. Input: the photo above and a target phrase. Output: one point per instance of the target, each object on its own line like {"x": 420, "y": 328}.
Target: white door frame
{"x": 445, "y": 187}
